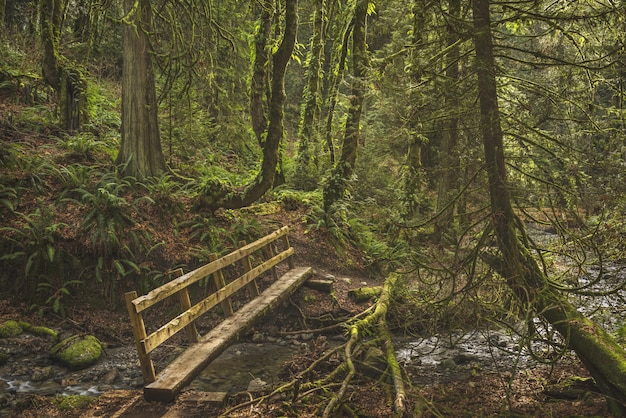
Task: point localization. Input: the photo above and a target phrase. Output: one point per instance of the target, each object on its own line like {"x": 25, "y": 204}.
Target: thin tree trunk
{"x": 334, "y": 79}
{"x": 448, "y": 181}
{"x": 307, "y": 160}
{"x": 413, "y": 175}
{"x": 140, "y": 151}
{"x": 337, "y": 184}
{"x": 51, "y": 14}
{"x": 602, "y": 356}
{"x": 265, "y": 179}
{"x": 260, "y": 70}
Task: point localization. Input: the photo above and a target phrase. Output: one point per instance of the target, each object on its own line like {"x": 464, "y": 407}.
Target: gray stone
{"x": 110, "y": 377}
{"x": 48, "y": 388}
{"x": 256, "y": 385}
{"x": 307, "y": 336}
{"x": 42, "y": 374}
{"x": 446, "y": 364}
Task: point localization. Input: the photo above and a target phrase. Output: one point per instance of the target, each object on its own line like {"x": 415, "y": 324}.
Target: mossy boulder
{"x": 10, "y": 329}
{"x": 77, "y": 352}
{"x": 4, "y": 358}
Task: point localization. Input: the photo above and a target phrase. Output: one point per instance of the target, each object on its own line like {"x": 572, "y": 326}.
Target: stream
{"x": 255, "y": 364}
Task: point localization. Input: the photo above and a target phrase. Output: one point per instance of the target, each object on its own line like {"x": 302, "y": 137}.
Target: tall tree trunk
{"x": 449, "y": 164}
{"x": 307, "y": 159}
{"x": 413, "y": 175}
{"x": 51, "y": 14}
{"x": 260, "y": 70}
{"x": 334, "y": 71}
{"x": 602, "y": 356}
{"x": 337, "y": 183}
{"x": 140, "y": 151}
{"x": 66, "y": 79}
{"x": 275, "y": 131}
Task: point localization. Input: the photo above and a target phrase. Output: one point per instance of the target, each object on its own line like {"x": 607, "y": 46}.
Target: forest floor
{"x": 479, "y": 394}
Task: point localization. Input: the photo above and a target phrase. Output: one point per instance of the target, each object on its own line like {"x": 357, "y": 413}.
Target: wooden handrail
{"x": 143, "y": 302}
{"x": 146, "y": 343}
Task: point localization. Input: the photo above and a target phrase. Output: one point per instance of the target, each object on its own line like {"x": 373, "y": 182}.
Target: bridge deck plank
{"x": 181, "y": 371}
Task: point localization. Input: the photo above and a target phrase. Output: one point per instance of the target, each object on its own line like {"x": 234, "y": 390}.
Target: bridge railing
{"x": 270, "y": 257}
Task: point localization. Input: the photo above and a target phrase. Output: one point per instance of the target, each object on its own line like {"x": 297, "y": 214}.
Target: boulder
{"x": 77, "y": 352}
{"x": 10, "y": 329}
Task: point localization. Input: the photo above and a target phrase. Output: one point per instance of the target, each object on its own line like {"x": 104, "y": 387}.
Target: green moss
{"x": 39, "y": 330}
{"x": 3, "y": 359}
{"x": 77, "y": 352}
{"x": 10, "y": 329}
{"x": 73, "y": 402}
{"x": 44, "y": 332}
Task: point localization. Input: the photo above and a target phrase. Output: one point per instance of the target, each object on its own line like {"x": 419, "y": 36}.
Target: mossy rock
{"x": 77, "y": 352}
{"x": 4, "y": 358}
{"x": 10, "y": 329}
{"x": 74, "y": 402}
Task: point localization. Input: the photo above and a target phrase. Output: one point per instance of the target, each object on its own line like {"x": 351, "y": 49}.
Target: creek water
{"x": 245, "y": 366}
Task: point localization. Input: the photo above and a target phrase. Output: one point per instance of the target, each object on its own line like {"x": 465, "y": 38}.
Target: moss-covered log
{"x": 361, "y": 294}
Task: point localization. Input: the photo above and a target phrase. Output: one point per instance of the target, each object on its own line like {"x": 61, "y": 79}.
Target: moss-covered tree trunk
{"x": 449, "y": 165}
{"x": 412, "y": 176}
{"x": 603, "y": 357}
{"x": 65, "y": 78}
{"x": 275, "y": 131}
{"x": 259, "y": 85}
{"x": 334, "y": 70}
{"x": 336, "y": 187}
{"x": 307, "y": 158}
{"x": 140, "y": 151}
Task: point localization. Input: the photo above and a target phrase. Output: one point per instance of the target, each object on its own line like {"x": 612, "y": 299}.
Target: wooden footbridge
{"x": 266, "y": 253}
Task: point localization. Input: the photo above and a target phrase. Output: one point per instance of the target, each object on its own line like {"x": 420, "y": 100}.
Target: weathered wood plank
{"x": 218, "y": 280}
{"x": 139, "y": 333}
{"x": 162, "y": 334}
{"x": 190, "y": 363}
{"x": 253, "y": 288}
{"x": 143, "y": 302}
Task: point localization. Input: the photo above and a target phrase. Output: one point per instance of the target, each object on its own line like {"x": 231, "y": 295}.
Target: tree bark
{"x": 275, "y": 131}
{"x": 140, "y": 152}
{"x": 51, "y": 14}
{"x": 260, "y": 71}
{"x": 602, "y": 356}
{"x": 449, "y": 165}
{"x": 307, "y": 159}
{"x": 337, "y": 183}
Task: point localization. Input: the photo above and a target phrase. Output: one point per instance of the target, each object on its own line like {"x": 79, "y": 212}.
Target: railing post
{"x": 185, "y": 304}
{"x": 269, "y": 253}
{"x": 253, "y": 288}
{"x": 218, "y": 279}
{"x": 289, "y": 259}
{"x": 139, "y": 332}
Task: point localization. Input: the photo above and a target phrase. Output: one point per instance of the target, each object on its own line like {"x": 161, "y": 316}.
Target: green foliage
{"x": 296, "y": 199}
{"x": 168, "y": 195}
{"x": 55, "y": 297}
{"x": 8, "y": 195}
{"x": 82, "y": 145}
{"x": 35, "y": 246}
{"x": 106, "y": 217}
